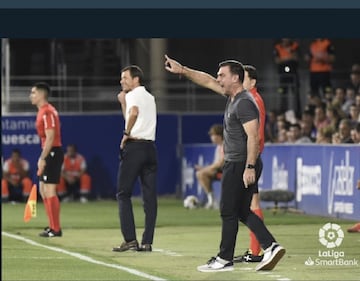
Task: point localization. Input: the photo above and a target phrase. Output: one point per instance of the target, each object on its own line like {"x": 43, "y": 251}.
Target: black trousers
{"x": 235, "y": 207}
{"x": 138, "y": 159}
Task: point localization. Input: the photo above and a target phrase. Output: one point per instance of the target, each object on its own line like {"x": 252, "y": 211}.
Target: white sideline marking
{"x": 36, "y": 258}
{"x": 284, "y": 279}
{"x": 167, "y": 252}
{"x": 85, "y": 258}
{"x": 246, "y": 268}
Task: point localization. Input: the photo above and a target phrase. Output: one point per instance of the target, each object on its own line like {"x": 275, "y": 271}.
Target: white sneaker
{"x": 209, "y": 205}
{"x": 66, "y": 199}
{"x": 272, "y": 256}
{"x": 215, "y": 265}
{"x": 83, "y": 199}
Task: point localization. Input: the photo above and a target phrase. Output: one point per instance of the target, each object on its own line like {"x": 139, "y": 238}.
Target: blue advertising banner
{"x": 97, "y": 138}
{"x": 324, "y": 178}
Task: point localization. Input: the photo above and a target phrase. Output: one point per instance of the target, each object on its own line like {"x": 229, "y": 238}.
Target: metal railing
{"x": 99, "y": 94}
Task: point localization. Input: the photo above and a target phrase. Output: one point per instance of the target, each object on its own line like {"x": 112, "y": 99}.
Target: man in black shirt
{"x": 242, "y": 167}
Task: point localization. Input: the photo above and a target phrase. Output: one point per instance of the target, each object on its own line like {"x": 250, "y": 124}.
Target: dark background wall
{"x": 32, "y": 56}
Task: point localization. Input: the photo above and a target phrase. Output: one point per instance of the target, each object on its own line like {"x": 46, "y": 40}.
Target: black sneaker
{"x": 125, "y": 246}
{"x": 248, "y": 257}
{"x": 145, "y": 248}
{"x": 272, "y": 255}
{"x": 50, "y": 233}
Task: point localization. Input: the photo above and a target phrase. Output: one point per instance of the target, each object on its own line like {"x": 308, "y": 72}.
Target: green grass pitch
{"x": 184, "y": 239}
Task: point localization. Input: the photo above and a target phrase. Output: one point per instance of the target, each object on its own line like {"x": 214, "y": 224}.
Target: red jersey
{"x": 260, "y": 103}
{"x": 48, "y": 118}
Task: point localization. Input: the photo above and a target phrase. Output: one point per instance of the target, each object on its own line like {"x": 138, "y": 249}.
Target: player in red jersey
{"x": 206, "y": 80}
{"x": 51, "y": 157}
{"x": 250, "y": 78}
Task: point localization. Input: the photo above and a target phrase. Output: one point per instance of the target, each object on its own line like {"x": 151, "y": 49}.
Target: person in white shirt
{"x": 207, "y": 174}
{"x": 138, "y": 159}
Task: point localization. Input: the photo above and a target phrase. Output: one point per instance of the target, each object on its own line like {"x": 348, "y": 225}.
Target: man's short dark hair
{"x": 42, "y": 86}
{"x": 251, "y": 70}
{"x": 135, "y": 71}
{"x": 236, "y": 68}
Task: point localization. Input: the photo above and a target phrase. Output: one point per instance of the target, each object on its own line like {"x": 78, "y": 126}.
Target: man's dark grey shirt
{"x": 237, "y": 112}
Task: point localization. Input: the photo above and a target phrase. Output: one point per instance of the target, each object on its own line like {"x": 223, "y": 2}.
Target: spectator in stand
{"x": 344, "y": 131}
{"x": 339, "y": 99}
{"x": 270, "y": 127}
{"x": 282, "y": 136}
{"x": 332, "y": 113}
{"x": 355, "y": 78}
{"x": 324, "y": 135}
{"x": 75, "y": 183}
{"x": 321, "y": 58}
{"x": 355, "y": 133}
{"x": 15, "y": 184}
{"x": 287, "y": 59}
{"x": 349, "y": 100}
{"x": 357, "y": 100}
{"x": 320, "y": 119}
{"x": 335, "y": 138}
{"x": 297, "y": 136}
{"x": 354, "y": 114}
{"x": 206, "y": 175}
{"x": 281, "y": 123}
{"x": 329, "y": 96}
{"x": 306, "y": 131}
{"x": 307, "y": 124}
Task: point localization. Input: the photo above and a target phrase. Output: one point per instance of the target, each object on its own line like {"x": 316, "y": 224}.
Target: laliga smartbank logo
{"x": 331, "y": 236}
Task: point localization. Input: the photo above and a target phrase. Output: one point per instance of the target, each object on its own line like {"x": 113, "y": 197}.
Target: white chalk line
{"x": 85, "y": 258}
{"x": 267, "y": 274}
{"x": 35, "y": 258}
{"x": 116, "y": 266}
{"x": 167, "y": 252}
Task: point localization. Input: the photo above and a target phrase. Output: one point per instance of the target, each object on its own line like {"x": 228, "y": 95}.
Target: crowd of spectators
{"x": 333, "y": 117}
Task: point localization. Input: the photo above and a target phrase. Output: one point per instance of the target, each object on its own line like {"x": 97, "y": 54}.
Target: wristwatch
{"x": 250, "y": 166}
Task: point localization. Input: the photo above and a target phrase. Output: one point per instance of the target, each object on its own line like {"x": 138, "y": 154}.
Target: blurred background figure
{"x": 320, "y": 56}
{"x": 354, "y": 114}
{"x": 355, "y": 133}
{"x": 206, "y": 175}
{"x": 355, "y": 78}
{"x": 75, "y": 183}
{"x": 324, "y": 135}
{"x": 345, "y": 131}
{"x": 16, "y": 183}
{"x": 287, "y": 59}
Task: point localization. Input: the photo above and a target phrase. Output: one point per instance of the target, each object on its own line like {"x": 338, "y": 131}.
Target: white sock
{"x": 210, "y": 198}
